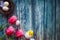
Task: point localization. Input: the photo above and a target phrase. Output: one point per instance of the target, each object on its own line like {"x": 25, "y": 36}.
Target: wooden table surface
{"x": 42, "y": 16}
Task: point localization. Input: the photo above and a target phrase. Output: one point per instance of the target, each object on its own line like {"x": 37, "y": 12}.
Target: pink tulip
{"x": 9, "y": 30}
{"x": 19, "y": 33}
{"x": 12, "y": 20}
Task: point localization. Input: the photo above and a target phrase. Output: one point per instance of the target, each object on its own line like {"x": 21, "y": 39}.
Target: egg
{"x": 17, "y": 23}
{"x": 6, "y": 3}
{"x": 5, "y": 8}
{"x": 32, "y": 39}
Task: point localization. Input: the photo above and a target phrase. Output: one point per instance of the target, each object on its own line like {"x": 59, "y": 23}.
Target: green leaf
{"x": 10, "y": 39}
{"x": 1, "y": 28}
{"x": 2, "y": 37}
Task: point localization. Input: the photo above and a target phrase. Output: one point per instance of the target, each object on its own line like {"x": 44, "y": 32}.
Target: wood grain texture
{"x": 42, "y": 16}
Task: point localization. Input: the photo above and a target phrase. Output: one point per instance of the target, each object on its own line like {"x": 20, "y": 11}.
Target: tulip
{"x": 17, "y": 23}
{"x": 9, "y": 31}
{"x": 19, "y": 33}
{"x": 12, "y": 20}
{"x": 29, "y": 34}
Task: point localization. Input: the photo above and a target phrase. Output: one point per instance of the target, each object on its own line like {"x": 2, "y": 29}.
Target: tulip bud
{"x": 12, "y": 20}
{"x": 29, "y": 34}
{"x": 19, "y": 33}
{"x": 17, "y": 23}
{"x": 9, "y": 30}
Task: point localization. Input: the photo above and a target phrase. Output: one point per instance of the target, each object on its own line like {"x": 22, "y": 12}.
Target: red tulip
{"x": 12, "y": 19}
{"x": 9, "y": 30}
{"x": 19, "y": 33}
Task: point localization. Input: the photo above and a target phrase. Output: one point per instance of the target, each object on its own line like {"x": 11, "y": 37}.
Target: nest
{"x": 11, "y": 8}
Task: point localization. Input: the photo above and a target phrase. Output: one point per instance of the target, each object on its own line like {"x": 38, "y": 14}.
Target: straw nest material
{"x": 11, "y": 8}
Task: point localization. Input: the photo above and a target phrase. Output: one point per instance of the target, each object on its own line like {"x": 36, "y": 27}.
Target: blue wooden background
{"x": 42, "y": 16}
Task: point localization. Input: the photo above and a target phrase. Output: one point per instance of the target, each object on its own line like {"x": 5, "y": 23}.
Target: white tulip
{"x": 27, "y": 36}
{"x": 17, "y": 22}
{"x": 5, "y": 8}
{"x": 6, "y": 3}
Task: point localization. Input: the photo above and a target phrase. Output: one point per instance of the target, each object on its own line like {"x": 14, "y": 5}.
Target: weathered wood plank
{"x": 42, "y": 16}
{"x": 57, "y": 19}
